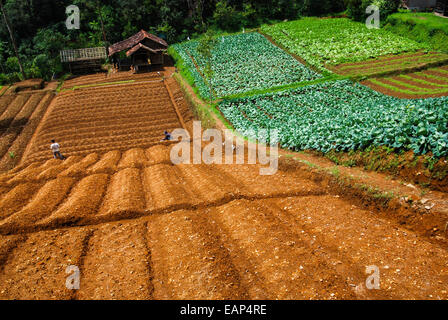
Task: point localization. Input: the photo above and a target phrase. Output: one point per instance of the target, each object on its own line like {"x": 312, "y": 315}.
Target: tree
{"x": 13, "y": 41}
{"x": 226, "y": 17}
{"x": 100, "y": 13}
{"x": 356, "y": 9}
{"x": 96, "y": 26}
{"x": 205, "y": 48}
{"x": 2, "y": 50}
{"x": 196, "y": 8}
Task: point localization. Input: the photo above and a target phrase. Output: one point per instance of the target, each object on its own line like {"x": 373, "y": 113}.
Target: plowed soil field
{"x": 424, "y": 84}
{"x": 139, "y": 227}
{"x": 105, "y": 78}
{"x": 389, "y": 64}
{"x": 20, "y": 115}
{"x": 107, "y": 117}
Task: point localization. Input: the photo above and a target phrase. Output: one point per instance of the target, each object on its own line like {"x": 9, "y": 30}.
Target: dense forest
{"x": 38, "y": 26}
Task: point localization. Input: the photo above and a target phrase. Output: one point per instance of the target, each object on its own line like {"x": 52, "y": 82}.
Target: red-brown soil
{"x": 28, "y": 85}
{"x": 106, "y": 118}
{"x": 391, "y": 64}
{"x": 401, "y": 95}
{"x": 101, "y": 78}
{"x": 20, "y": 115}
{"x": 139, "y": 227}
{"x": 422, "y": 90}
{"x": 3, "y": 90}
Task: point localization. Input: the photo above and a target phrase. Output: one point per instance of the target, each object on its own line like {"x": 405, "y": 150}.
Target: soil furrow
{"x": 83, "y": 201}
{"x": 165, "y": 188}
{"x": 37, "y": 269}
{"x": 361, "y": 238}
{"x": 41, "y": 205}
{"x": 116, "y": 264}
{"x": 188, "y": 263}
{"x": 124, "y": 194}
{"x": 282, "y": 261}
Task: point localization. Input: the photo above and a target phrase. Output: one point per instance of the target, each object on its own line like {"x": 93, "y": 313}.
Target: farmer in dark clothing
{"x": 56, "y": 151}
{"x": 167, "y": 136}
{"x": 115, "y": 61}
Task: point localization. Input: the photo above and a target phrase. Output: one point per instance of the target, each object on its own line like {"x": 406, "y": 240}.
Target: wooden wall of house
{"x": 156, "y": 58}
{"x": 152, "y": 44}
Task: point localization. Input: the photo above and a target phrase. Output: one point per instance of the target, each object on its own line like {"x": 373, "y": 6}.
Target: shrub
{"x": 10, "y": 78}
{"x": 421, "y": 27}
{"x": 12, "y": 65}
{"x": 317, "y": 8}
{"x": 250, "y": 16}
{"x": 356, "y": 9}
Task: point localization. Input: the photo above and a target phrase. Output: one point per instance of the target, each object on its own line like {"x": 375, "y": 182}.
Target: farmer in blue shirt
{"x": 167, "y": 136}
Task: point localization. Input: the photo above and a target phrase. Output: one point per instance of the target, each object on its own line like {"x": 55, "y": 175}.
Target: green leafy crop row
{"x": 335, "y": 41}
{"x": 242, "y": 63}
{"x": 343, "y": 116}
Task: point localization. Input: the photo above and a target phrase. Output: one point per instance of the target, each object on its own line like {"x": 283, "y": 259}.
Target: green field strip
{"x": 4, "y": 91}
{"x": 442, "y": 70}
{"x": 367, "y": 72}
{"x": 410, "y": 86}
{"x": 388, "y": 72}
{"x": 284, "y": 87}
{"x": 282, "y": 75}
{"x": 431, "y": 76}
{"x": 423, "y": 81}
{"x": 383, "y": 59}
{"x": 400, "y": 63}
{"x": 376, "y": 63}
{"x": 323, "y": 70}
{"x": 387, "y": 86}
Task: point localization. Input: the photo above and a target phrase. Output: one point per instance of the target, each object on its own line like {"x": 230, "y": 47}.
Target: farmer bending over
{"x": 56, "y": 152}
{"x": 167, "y": 136}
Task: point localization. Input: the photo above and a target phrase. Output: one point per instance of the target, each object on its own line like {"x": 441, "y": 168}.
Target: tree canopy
{"x": 38, "y": 26}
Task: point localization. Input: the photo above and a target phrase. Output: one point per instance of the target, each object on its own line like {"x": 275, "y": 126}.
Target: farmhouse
{"x": 143, "y": 50}
{"x": 440, "y": 6}
{"x": 84, "y": 60}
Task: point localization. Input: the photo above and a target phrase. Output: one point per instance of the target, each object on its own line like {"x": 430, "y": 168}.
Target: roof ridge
{"x": 132, "y": 41}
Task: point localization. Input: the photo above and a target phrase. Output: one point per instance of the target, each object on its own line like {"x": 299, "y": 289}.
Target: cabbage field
{"x": 343, "y": 116}
{"x": 335, "y": 41}
{"x": 242, "y": 63}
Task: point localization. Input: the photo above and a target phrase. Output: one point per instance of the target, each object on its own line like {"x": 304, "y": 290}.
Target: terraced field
{"x": 424, "y": 84}
{"x": 330, "y": 42}
{"x": 20, "y": 115}
{"x": 242, "y": 63}
{"x": 390, "y": 64}
{"x": 104, "y": 118}
{"x": 140, "y": 228}
{"x": 342, "y": 116}
{"x": 104, "y": 78}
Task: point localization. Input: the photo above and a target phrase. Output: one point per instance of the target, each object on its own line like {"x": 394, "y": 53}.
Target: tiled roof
{"x": 131, "y": 42}
{"x": 139, "y": 46}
